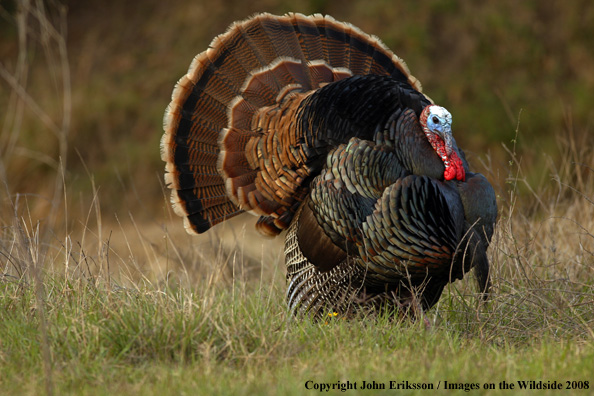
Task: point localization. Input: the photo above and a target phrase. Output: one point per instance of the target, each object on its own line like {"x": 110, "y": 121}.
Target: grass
{"x": 151, "y": 340}
{"x": 102, "y": 292}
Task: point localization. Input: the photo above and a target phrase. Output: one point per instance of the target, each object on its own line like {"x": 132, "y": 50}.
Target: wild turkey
{"x": 317, "y": 128}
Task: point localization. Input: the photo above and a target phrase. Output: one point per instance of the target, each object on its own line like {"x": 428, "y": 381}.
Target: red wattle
{"x": 449, "y": 173}
{"x": 455, "y": 169}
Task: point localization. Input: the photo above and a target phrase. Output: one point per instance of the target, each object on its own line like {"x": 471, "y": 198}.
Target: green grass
{"x": 222, "y": 327}
{"x": 153, "y": 341}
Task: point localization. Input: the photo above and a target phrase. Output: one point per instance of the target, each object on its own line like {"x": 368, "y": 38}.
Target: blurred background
{"x": 84, "y": 85}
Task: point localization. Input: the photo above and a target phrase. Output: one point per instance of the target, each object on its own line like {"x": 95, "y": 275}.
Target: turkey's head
{"x": 437, "y": 125}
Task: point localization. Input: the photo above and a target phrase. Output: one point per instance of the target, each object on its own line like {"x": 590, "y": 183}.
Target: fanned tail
{"x": 222, "y": 137}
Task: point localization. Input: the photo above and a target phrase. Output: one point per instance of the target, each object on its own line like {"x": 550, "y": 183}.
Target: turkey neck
{"x": 404, "y": 135}
{"x": 354, "y": 107}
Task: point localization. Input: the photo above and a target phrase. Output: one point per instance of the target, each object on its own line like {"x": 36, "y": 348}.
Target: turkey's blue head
{"x": 437, "y": 125}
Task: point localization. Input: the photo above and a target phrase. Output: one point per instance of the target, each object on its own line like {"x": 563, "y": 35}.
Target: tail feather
{"x": 258, "y": 50}
{"x": 202, "y": 220}
{"x": 331, "y": 35}
{"x": 286, "y": 44}
{"x": 306, "y": 29}
{"x": 223, "y": 130}
{"x": 359, "y": 60}
{"x": 264, "y": 87}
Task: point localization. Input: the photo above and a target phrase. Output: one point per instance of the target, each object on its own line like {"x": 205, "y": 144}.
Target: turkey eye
{"x": 435, "y": 120}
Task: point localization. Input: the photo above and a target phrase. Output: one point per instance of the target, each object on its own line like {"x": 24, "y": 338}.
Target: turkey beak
{"x": 446, "y": 135}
